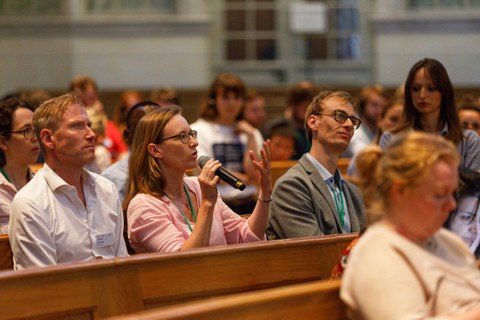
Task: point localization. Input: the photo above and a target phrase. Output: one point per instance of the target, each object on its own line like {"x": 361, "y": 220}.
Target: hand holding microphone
{"x": 223, "y": 174}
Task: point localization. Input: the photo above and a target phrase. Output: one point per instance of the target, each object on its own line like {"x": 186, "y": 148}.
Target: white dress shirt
{"x": 49, "y": 223}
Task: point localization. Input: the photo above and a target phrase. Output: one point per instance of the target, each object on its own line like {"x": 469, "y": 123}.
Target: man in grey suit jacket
{"x": 312, "y": 198}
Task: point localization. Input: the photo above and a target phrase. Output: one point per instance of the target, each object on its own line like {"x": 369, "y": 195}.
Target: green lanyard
{"x": 5, "y": 174}
{"x": 191, "y": 208}
{"x": 340, "y": 207}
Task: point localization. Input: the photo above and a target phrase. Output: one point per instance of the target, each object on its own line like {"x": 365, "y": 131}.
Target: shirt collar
{"x": 444, "y": 130}
{"x": 327, "y": 176}
{"x": 54, "y": 181}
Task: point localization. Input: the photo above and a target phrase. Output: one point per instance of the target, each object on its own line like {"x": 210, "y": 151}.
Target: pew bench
{"x": 278, "y": 168}
{"x": 6, "y": 256}
{"x": 314, "y": 300}
{"x": 106, "y": 288}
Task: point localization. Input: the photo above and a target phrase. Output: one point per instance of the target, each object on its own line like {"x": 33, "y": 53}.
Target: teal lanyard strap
{"x": 191, "y": 208}
{"x": 5, "y": 174}
{"x": 340, "y": 207}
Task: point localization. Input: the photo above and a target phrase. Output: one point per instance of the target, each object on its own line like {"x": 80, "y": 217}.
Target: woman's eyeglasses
{"x": 341, "y": 117}
{"x": 28, "y": 133}
{"x": 184, "y": 136}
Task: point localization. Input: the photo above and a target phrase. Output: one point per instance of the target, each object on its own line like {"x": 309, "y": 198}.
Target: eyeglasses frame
{"x": 334, "y": 113}
{"x": 191, "y": 134}
{"x": 24, "y": 133}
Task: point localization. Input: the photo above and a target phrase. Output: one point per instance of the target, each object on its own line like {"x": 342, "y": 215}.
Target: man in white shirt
{"x": 65, "y": 213}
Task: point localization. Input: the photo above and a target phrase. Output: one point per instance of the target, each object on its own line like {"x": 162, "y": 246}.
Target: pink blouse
{"x": 156, "y": 225}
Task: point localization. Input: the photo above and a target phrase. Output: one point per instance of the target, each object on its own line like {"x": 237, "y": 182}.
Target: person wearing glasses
{"x": 168, "y": 211}
{"x": 464, "y": 221}
{"x": 65, "y": 213}
{"x": 312, "y": 198}
{"x": 430, "y": 107}
{"x": 18, "y": 149}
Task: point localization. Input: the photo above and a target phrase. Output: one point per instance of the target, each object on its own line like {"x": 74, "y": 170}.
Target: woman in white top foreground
{"x": 406, "y": 266}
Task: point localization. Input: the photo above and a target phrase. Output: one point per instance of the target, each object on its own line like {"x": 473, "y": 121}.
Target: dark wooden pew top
{"x": 106, "y": 288}
{"x": 313, "y": 300}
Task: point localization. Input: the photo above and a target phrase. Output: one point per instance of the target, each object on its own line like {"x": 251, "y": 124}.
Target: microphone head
{"x": 202, "y": 160}
{"x": 239, "y": 185}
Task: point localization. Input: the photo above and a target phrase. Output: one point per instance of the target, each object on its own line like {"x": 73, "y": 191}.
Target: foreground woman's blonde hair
{"x": 405, "y": 160}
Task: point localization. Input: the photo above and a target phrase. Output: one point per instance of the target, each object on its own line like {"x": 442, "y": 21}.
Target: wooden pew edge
{"x": 145, "y": 258}
{"x": 235, "y": 300}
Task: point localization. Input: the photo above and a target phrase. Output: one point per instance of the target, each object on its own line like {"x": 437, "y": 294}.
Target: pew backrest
{"x": 6, "y": 257}
{"x": 278, "y": 168}
{"x": 124, "y": 285}
{"x": 313, "y": 300}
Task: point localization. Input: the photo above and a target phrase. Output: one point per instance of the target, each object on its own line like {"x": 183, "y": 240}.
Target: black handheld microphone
{"x": 223, "y": 174}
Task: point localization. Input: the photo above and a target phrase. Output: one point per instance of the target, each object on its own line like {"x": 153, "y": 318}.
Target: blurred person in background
{"x": 18, "y": 150}
{"x": 128, "y": 99}
{"x": 254, "y": 109}
{"x": 86, "y": 88}
{"x": 165, "y": 96}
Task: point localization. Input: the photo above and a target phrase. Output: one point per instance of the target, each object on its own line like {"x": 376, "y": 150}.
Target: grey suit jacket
{"x": 303, "y": 206}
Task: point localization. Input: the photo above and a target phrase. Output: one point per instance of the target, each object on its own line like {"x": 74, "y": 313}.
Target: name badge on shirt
{"x": 104, "y": 240}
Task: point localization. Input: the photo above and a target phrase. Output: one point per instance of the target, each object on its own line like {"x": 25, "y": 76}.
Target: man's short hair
{"x": 318, "y": 102}
{"x": 50, "y": 113}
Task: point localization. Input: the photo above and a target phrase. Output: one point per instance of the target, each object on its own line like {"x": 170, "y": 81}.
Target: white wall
{"x": 401, "y": 38}
{"x": 135, "y": 52}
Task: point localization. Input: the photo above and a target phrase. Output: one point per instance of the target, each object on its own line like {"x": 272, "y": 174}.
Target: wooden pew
{"x": 343, "y": 165}
{"x": 107, "y": 288}
{"x": 314, "y": 300}
{"x": 278, "y": 168}
{"x": 6, "y": 258}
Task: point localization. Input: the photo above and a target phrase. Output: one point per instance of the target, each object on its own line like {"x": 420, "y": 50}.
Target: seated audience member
{"x": 165, "y": 97}
{"x": 34, "y": 97}
{"x": 388, "y": 120}
{"x": 406, "y": 266}
{"x": 65, "y": 213}
{"x": 18, "y": 149}
{"x": 312, "y": 198}
{"x": 282, "y": 143}
{"x": 430, "y": 107}
{"x": 254, "y": 110}
{"x": 223, "y": 137}
{"x": 464, "y": 221}
{"x": 128, "y": 99}
{"x": 469, "y": 114}
{"x": 299, "y": 98}
{"x": 118, "y": 172}
{"x": 372, "y": 102}
{"x": 103, "y": 158}
{"x": 167, "y": 211}
{"x": 87, "y": 90}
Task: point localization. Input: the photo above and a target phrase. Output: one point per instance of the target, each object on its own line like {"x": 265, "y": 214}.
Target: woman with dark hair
{"x": 464, "y": 221}
{"x": 430, "y": 107}
{"x": 167, "y": 211}
{"x": 18, "y": 150}
{"x": 222, "y": 136}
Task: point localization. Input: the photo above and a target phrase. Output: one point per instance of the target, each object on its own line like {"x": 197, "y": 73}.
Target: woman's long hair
{"x": 228, "y": 82}
{"x": 448, "y": 111}
{"x": 406, "y": 159}
{"x": 144, "y": 173}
